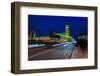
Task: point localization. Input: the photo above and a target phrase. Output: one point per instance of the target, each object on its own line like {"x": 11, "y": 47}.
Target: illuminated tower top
{"x": 67, "y": 29}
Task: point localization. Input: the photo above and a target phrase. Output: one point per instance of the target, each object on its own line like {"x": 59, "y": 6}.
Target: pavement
{"x": 58, "y": 51}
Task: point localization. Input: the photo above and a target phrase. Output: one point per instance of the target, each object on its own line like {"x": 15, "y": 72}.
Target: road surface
{"x": 47, "y": 53}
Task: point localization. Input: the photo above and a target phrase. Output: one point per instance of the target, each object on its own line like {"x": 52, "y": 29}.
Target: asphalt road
{"x": 47, "y": 53}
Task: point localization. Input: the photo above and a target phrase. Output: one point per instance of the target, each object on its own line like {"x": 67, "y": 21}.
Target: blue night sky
{"x": 43, "y": 25}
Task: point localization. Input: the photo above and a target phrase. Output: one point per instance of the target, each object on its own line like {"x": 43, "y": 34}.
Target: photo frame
{"x": 46, "y": 19}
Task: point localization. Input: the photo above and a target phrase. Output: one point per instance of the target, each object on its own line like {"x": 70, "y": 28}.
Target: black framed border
{"x": 15, "y": 37}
